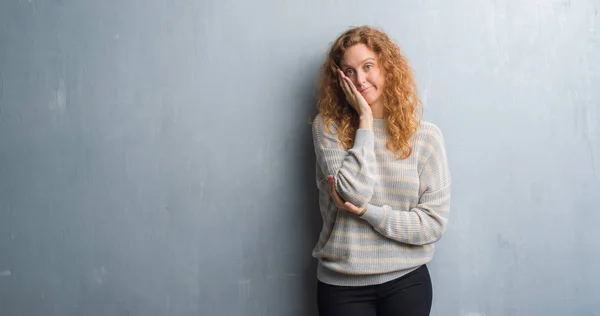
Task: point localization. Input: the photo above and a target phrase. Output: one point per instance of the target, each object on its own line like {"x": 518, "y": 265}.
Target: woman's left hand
{"x": 340, "y": 203}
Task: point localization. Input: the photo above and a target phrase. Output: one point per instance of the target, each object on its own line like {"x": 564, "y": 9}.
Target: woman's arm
{"x": 426, "y": 222}
{"x": 354, "y": 180}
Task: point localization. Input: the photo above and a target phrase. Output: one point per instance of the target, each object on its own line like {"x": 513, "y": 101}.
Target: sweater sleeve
{"x": 426, "y": 222}
{"x": 354, "y": 180}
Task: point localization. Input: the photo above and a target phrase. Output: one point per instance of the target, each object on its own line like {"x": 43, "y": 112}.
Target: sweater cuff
{"x": 364, "y": 138}
{"x": 374, "y": 215}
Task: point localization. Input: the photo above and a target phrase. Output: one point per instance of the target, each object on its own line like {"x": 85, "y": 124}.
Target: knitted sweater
{"x": 407, "y": 204}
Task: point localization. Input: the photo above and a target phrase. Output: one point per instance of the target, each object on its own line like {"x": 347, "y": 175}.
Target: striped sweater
{"x": 407, "y": 204}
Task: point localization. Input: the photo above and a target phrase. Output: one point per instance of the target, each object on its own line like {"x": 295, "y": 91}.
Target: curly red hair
{"x": 399, "y": 97}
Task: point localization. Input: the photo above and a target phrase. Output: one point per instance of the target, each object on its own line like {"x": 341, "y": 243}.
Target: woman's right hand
{"x": 356, "y": 100}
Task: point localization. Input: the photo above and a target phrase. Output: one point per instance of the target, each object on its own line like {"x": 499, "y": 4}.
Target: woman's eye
{"x": 369, "y": 66}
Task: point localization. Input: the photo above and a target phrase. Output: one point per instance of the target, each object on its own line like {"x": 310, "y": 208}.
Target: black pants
{"x": 409, "y": 295}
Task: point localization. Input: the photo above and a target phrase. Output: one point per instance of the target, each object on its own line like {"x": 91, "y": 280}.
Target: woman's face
{"x": 360, "y": 64}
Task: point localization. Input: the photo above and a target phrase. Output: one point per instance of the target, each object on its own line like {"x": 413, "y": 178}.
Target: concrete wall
{"x": 155, "y": 156}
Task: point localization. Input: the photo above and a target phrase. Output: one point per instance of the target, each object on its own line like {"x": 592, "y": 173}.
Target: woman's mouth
{"x": 363, "y": 90}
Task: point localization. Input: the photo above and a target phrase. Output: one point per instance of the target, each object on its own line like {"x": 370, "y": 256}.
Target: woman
{"x": 383, "y": 179}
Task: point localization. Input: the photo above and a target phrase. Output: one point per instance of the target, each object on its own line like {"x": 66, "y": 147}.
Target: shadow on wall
{"x": 311, "y": 216}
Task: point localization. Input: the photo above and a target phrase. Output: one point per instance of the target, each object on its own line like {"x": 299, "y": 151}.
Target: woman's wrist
{"x": 366, "y": 121}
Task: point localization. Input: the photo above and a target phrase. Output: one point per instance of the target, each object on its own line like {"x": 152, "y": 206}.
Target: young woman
{"x": 383, "y": 179}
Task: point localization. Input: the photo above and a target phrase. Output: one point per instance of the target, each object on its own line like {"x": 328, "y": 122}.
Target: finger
{"x": 346, "y": 88}
{"x": 351, "y": 207}
{"x": 341, "y": 74}
{"x": 351, "y": 90}
{"x": 344, "y": 83}
{"x": 332, "y": 188}
{"x": 349, "y": 84}
{"x": 341, "y": 77}
{"x": 339, "y": 203}
{"x": 336, "y": 199}
{"x": 354, "y": 209}
{"x": 352, "y": 86}
{"x": 331, "y": 184}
